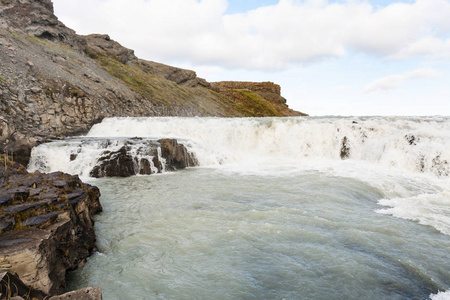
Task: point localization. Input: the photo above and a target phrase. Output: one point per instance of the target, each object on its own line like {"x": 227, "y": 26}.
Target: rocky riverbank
{"x": 46, "y": 227}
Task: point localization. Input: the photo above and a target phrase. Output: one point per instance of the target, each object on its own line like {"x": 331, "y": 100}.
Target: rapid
{"x": 279, "y": 208}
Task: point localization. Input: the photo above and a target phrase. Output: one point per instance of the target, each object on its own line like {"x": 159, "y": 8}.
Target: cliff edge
{"x": 55, "y": 83}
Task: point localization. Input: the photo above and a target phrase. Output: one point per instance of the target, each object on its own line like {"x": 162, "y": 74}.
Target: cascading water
{"x": 323, "y": 208}
{"x": 412, "y": 144}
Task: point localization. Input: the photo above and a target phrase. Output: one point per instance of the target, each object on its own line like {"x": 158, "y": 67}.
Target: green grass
{"x": 253, "y": 105}
{"x": 163, "y": 92}
{"x": 134, "y": 78}
{"x": 152, "y": 87}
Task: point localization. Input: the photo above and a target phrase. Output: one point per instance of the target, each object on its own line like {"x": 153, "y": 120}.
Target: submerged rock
{"x": 345, "y": 148}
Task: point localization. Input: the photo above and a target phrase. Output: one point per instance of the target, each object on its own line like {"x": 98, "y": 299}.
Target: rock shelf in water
{"x": 144, "y": 159}
{"x": 46, "y": 226}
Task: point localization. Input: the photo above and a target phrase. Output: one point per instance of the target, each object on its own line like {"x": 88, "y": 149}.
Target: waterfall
{"x": 415, "y": 144}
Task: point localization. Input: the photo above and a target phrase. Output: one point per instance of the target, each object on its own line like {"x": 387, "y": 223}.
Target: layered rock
{"x": 36, "y": 18}
{"x": 46, "y": 226}
{"x": 259, "y": 99}
{"x": 54, "y": 83}
{"x": 176, "y": 156}
{"x": 145, "y": 159}
{"x": 268, "y": 90}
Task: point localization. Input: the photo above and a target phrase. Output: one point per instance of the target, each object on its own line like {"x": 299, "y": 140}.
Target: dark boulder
{"x": 152, "y": 157}
{"x": 145, "y": 167}
{"x": 345, "y": 148}
{"x": 119, "y": 163}
{"x": 176, "y": 155}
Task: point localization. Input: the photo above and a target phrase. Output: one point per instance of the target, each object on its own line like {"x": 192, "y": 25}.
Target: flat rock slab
{"x": 90, "y": 293}
{"x": 41, "y": 220}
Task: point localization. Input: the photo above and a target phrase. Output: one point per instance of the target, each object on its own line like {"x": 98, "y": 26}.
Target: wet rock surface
{"x": 176, "y": 155}
{"x": 145, "y": 159}
{"x": 46, "y": 226}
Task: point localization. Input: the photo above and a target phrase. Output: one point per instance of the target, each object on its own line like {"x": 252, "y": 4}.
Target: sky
{"x": 341, "y": 57}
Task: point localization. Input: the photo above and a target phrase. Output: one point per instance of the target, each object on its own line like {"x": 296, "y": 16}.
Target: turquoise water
{"x": 279, "y": 208}
{"x": 224, "y": 234}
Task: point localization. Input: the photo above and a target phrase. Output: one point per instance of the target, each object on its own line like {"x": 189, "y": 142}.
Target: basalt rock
{"x": 256, "y": 98}
{"x": 46, "y": 227}
{"x": 119, "y": 163}
{"x": 176, "y": 155}
{"x": 144, "y": 159}
{"x": 345, "y": 148}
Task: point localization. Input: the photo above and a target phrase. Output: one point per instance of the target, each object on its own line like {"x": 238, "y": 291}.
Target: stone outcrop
{"x": 259, "y": 99}
{"x": 176, "y": 155}
{"x": 36, "y": 18}
{"x": 46, "y": 226}
{"x": 268, "y": 90}
{"x": 144, "y": 159}
{"x": 118, "y": 163}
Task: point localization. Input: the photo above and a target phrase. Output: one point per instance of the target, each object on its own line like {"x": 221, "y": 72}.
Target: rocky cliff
{"x": 55, "y": 83}
{"x": 46, "y": 225}
{"x": 258, "y": 99}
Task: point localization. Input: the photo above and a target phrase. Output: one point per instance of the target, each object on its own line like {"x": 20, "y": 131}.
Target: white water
{"x": 395, "y": 177}
{"x": 380, "y": 140}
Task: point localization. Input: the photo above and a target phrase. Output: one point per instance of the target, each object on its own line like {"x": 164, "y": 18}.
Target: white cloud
{"x": 272, "y": 37}
{"x": 392, "y": 82}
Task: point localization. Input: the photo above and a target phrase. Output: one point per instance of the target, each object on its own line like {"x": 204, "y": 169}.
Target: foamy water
{"x": 294, "y": 208}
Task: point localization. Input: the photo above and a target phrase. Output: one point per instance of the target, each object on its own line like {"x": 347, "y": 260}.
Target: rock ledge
{"x": 46, "y": 226}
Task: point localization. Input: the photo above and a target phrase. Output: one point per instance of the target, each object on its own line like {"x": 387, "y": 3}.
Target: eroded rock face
{"x": 176, "y": 155}
{"x": 46, "y": 227}
{"x": 154, "y": 157}
{"x": 37, "y": 19}
{"x": 267, "y": 90}
{"x": 115, "y": 164}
